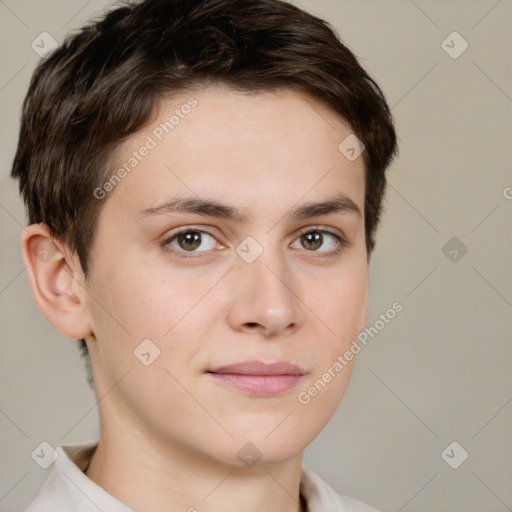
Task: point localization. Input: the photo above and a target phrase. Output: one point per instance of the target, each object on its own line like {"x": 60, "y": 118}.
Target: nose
{"x": 266, "y": 300}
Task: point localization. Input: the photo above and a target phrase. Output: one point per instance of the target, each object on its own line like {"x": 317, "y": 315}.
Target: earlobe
{"x": 54, "y": 276}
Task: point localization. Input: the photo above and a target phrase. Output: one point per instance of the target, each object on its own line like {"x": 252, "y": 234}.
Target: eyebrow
{"x": 341, "y": 203}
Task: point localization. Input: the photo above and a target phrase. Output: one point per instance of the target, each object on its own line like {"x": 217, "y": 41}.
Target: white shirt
{"x": 69, "y": 489}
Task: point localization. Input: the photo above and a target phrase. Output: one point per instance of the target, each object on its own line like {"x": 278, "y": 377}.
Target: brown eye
{"x": 189, "y": 240}
{"x": 192, "y": 241}
{"x": 320, "y": 241}
{"x": 312, "y": 240}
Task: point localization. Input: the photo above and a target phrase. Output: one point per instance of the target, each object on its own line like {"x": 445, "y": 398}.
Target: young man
{"x": 203, "y": 181}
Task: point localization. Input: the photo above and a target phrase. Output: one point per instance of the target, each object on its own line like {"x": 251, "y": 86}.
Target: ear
{"x": 57, "y": 281}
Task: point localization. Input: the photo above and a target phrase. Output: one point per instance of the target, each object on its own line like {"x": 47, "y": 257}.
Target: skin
{"x": 170, "y": 433}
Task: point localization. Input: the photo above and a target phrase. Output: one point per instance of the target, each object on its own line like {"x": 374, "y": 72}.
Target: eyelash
{"x": 341, "y": 242}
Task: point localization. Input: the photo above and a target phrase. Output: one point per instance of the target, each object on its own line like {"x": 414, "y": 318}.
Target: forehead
{"x": 246, "y": 147}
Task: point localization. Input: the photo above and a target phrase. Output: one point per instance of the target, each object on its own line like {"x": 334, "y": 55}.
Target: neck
{"x": 144, "y": 476}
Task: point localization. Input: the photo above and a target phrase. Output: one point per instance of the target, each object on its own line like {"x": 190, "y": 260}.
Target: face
{"x": 235, "y": 238}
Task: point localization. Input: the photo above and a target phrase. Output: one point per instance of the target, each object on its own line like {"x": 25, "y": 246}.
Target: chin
{"x": 267, "y": 447}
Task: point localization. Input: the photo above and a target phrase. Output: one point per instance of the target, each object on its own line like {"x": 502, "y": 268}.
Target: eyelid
{"x": 323, "y": 229}
{"x": 189, "y": 227}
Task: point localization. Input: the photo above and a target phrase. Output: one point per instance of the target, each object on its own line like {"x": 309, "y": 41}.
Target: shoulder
{"x": 321, "y": 497}
{"x": 50, "y": 496}
{"x": 68, "y": 488}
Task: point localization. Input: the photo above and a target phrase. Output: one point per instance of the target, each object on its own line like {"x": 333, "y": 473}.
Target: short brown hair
{"x": 103, "y": 84}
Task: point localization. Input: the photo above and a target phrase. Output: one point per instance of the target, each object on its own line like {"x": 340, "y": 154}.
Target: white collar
{"x": 69, "y": 488}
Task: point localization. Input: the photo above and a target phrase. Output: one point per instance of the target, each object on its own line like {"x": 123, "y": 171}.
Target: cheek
{"x": 341, "y": 304}
{"x": 143, "y": 302}
{"x": 341, "y": 307}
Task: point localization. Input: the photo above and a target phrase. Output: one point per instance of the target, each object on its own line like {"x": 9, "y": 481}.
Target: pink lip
{"x": 258, "y": 378}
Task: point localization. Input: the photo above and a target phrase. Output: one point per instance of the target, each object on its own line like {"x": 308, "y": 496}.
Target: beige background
{"x": 440, "y": 371}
